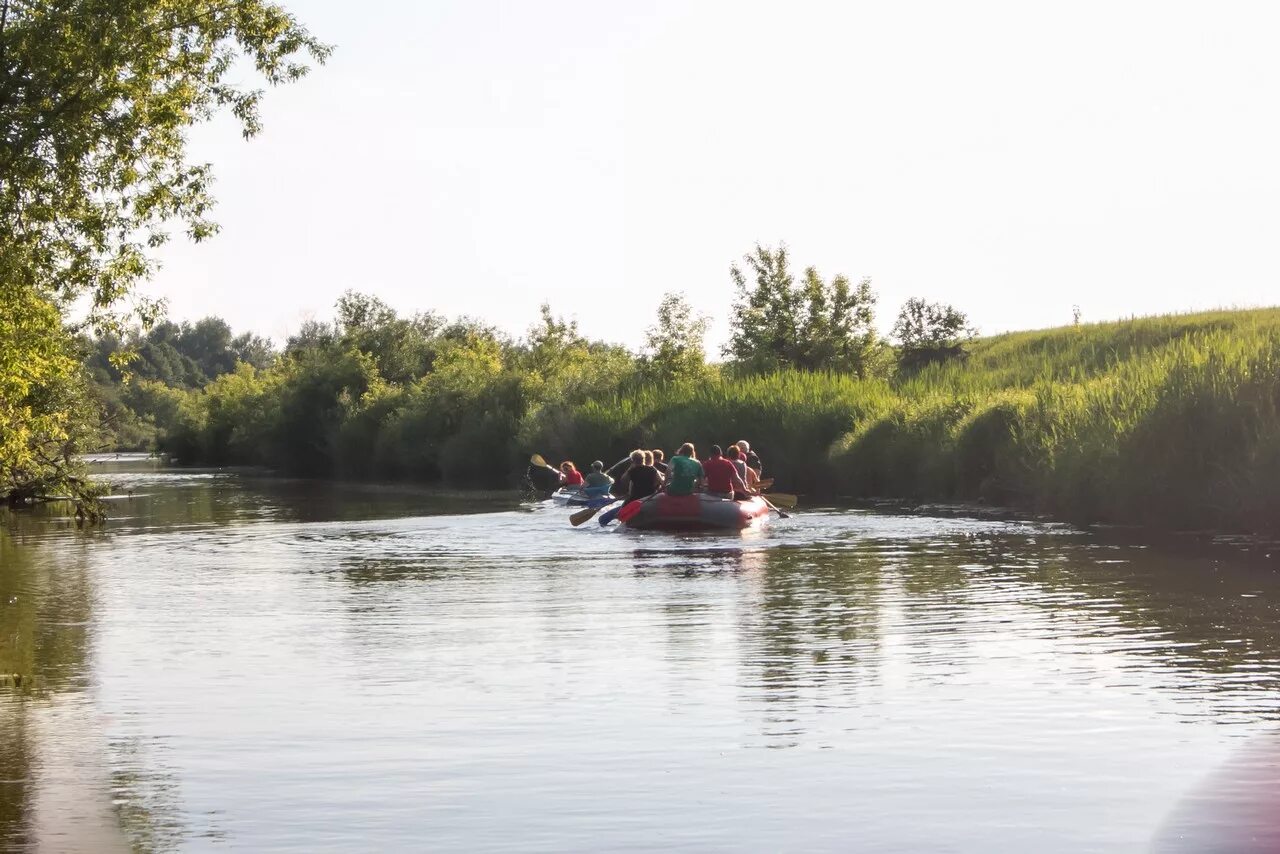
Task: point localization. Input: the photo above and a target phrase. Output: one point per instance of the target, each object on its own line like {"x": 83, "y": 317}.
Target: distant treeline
{"x": 1168, "y": 421}
{"x": 376, "y": 394}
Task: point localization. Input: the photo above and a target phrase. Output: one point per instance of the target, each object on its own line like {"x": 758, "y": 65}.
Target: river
{"x": 236, "y": 662}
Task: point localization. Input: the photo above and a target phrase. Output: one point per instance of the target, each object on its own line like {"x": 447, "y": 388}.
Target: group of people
{"x": 731, "y": 473}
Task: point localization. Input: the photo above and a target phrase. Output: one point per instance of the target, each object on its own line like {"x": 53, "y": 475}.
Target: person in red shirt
{"x": 569, "y": 474}
{"x": 722, "y": 476}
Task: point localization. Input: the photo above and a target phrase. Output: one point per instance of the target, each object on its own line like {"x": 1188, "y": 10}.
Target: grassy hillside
{"x": 1169, "y": 421}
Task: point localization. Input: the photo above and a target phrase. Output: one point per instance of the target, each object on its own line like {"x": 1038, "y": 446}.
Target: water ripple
{"x": 267, "y": 665}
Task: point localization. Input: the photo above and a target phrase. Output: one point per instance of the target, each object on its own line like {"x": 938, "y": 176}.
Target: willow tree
{"x": 96, "y": 98}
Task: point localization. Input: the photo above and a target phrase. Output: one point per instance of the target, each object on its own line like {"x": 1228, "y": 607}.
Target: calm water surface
{"x": 241, "y": 663}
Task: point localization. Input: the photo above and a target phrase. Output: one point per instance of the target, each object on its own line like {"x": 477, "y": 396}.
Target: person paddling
{"x": 643, "y": 479}
{"x": 624, "y": 484}
{"x": 722, "y": 477}
{"x": 597, "y": 482}
{"x": 734, "y": 455}
{"x": 684, "y": 472}
{"x": 651, "y": 460}
{"x": 640, "y": 481}
{"x": 750, "y": 457}
{"x": 660, "y": 460}
{"x": 569, "y": 474}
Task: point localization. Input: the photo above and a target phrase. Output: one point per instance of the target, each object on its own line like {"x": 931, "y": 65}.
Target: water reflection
{"x": 274, "y": 663}
{"x": 693, "y": 559}
{"x": 813, "y": 640}
{"x": 45, "y": 612}
{"x": 15, "y": 773}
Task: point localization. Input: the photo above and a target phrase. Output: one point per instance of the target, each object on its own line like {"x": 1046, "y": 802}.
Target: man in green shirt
{"x": 684, "y": 471}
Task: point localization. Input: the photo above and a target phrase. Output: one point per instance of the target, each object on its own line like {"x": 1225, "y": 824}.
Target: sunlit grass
{"x": 1167, "y": 420}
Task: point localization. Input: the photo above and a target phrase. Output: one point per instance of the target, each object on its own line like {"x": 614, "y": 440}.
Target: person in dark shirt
{"x": 660, "y": 460}
{"x": 643, "y": 480}
{"x": 750, "y": 457}
{"x": 722, "y": 477}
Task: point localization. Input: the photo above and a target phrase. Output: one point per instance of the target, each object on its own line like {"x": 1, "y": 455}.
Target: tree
{"x": 930, "y": 332}
{"x": 95, "y": 100}
{"x": 554, "y": 343}
{"x": 402, "y": 347}
{"x": 813, "y": 326}
{"x": 764, "y": 321}
{"x": 46, "y": 414}
{"x": 96, "y": 97}
{"x": 674, "y": 348}
{"x": 253, "y": 350}
{"x": 312, "y": 335}
{"x": 839, "y": 330}
{"x": 207, "y": 342}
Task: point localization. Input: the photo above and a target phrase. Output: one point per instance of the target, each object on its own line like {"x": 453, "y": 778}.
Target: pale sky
{"x": 1014, "y": 159}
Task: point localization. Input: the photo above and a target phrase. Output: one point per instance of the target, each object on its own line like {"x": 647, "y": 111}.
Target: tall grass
{"x": 1171, "y": 421}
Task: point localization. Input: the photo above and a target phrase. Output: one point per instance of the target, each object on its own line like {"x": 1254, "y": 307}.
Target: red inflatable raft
{"x": 691, "y": 513}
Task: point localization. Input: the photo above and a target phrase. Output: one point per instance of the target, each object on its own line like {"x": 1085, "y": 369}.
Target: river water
{"x": 236, "y": 662}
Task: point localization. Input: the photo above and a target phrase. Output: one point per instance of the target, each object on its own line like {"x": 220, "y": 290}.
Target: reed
{"x": 1170, "y": 421}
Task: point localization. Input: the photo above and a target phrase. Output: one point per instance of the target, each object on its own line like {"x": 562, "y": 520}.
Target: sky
{"x": 1015, "y": 159}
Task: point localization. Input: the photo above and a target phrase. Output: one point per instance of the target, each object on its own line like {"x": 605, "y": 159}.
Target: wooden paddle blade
{"x": 537, "y": 460}
{"x": 782, "y": 499}
{"x": 584, "y": 514}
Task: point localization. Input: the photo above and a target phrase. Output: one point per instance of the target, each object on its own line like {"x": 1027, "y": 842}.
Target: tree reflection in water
{"x": 47, "y": 722}
{"x": 951, "y": 604}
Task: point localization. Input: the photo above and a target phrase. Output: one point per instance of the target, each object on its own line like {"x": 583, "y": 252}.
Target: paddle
{"x": 786, "y": 499}
{"x": 762, "y": 485}
{"x": 538, "y": 460}
{"x": 586, "y": 513}
{"x": 613, "y": 512}
{"x": 769, "y": 504}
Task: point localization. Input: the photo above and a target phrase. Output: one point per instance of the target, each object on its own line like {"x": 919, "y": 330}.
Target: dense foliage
{"x": 1170, "y": 421}
{"x": 376, "y": 394}
{"x": 930, "y": 333}
{"x": 135, "y": 394}
{"x": 816, "y": 325}
{"x": 43, "y": 399}
{"x": 675, "y": 346}
{"x": 95, "y": 100}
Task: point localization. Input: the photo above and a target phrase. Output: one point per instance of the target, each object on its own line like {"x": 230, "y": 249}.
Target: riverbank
{"x": 1169, "y": 422}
